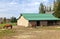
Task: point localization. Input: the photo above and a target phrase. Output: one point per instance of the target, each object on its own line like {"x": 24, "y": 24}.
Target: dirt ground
{"x": 33, "y": 33}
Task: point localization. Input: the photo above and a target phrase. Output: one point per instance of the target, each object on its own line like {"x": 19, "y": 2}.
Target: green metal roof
{"x": 34, "y": 16}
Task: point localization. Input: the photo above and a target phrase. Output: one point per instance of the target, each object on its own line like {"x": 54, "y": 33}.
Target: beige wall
{"x": 22, "y": 22}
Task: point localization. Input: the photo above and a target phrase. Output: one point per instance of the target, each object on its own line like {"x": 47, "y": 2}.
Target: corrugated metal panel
{"x": 35, "y": 16}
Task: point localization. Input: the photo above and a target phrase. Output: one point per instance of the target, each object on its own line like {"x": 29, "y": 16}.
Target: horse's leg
{"x": 11, "y": 27}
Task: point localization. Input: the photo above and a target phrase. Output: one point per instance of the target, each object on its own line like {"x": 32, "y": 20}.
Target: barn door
{"x": 38, "y": 23}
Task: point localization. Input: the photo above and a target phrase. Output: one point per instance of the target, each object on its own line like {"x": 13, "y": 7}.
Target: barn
{"x": 37, "y": 20}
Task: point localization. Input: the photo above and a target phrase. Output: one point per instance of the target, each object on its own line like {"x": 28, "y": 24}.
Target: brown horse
{"x": 7, "y": 26}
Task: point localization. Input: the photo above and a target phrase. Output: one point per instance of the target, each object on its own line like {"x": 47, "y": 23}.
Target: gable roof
{"x": 34, "y": 16}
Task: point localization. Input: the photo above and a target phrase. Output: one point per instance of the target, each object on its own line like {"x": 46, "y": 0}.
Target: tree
{"x": 41, "y": 8}
{"x": 57, "y": 9}
{"x": 50, "y": 9}
{"x": 54, "y": 6}
{"x": 13, "y": 19}
{"x": 4, "y": 20}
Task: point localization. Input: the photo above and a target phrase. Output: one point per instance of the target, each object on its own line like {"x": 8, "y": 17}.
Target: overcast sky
{"x": 9, "y": 8}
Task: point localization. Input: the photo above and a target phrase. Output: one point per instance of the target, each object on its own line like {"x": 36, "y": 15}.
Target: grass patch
{"x": 7, "y": 32}
{"x": 14, "y": 24}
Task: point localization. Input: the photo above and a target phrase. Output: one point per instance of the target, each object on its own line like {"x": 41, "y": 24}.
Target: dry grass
{"x": 31, "y": 33}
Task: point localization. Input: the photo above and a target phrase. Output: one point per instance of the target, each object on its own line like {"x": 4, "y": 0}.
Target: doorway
{"x": 38, "y": 23}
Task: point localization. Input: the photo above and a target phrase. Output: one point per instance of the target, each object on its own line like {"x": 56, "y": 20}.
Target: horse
{"x": 8, "y": 26}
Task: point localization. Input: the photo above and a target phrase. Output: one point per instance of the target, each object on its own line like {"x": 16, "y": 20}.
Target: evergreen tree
{"x": 4, "y": 20}
{"x": 57, "y": 9}
{"x": 54, "y": 6}
{"x": 13, "y": 19}
{"x": 50, "y": 9}
{"x": 41, "y": 8}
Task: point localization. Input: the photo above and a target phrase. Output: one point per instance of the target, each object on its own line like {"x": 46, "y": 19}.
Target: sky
{"x": 9, "y": 8}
